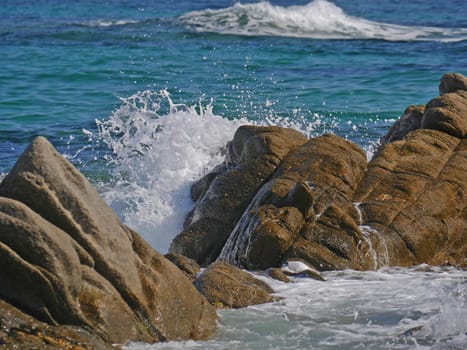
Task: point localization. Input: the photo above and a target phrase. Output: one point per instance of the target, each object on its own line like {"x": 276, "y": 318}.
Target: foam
{"x": 318, "y": 19}
{"x": 159, "y": 149}
{"x": 393, "y": 308}
{"x": 104, "y": 23}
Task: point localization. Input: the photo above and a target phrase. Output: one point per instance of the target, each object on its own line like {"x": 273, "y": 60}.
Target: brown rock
{"x": 88, "y": 268}
{"x": 226, "y": 286}
{"x": 251, "y": 158}
{"x": 301, "y": 202}
{"x": 21, "y": 331}
{"x": 452, "y": 82}
{"x": 188, "y": 266}
{"x": 277, "y": 274}
{"x": 407, "y": 122}
{"x": 447, "y": 113}
{"x": 414, "y": 197}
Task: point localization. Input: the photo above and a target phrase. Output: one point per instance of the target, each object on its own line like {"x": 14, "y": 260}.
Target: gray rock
{"x": 87, "y": 268}
{"x": 452, "y": 82}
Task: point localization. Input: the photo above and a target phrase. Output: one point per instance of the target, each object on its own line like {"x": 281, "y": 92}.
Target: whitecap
{"x": 318, "y": 19}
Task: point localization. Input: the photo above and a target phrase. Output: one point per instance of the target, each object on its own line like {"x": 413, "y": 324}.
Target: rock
{"x": 409, "y": 121}
{"x": 408, "y": 208}
{"x": 301, "y": 204}
{"x": 277, "y": 274}
{"x": 87, "y": 268}
{"x": 298, "y": 268}
{"x": 252, "y": 157}
{"x": 413, "y": 198}
{"x": 188, "y": 266}
{"x": 226, "y": 286}
{"x": 452, "y": 82}
{"x": 447, "y": 113}
{"x": 21, "y": 331}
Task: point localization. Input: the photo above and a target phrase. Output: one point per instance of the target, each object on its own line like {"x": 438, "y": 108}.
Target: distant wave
{"x": 318, "y": 19}
{"x": 107, "y": 23}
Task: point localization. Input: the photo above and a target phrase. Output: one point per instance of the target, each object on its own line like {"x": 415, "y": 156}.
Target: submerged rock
{"x": 226, "y": 286}
{"x": 251, "y": 158}
{"x": 298, "y": 268}
{"x": 69, "y": 260}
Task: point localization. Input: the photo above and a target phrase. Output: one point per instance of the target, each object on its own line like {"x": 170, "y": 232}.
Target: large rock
{"x": 414, "y": 193}
{"x": 226, "y": 286}
{"x": 309, "y": 201}
{"x": 414, "y": 198}
{"x": 452, "y": 82}
{"x": 252, "y": 157}
{"x": 409, "y": 121}
{"x": 22, "y": 332}
{"x": 71, "y": 261}
{"x": 447, "y": 113}
{"x": 325, "y": 206}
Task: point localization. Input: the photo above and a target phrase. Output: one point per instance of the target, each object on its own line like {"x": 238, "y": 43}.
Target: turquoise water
{"x": 65, "y": 63}
{"x": 142, "y": 95}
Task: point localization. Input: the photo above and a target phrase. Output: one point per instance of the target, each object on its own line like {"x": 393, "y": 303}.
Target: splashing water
{"x": 318, "y": 19}
{"x": 159, "y": 149}
{"x": 418, "y": 308}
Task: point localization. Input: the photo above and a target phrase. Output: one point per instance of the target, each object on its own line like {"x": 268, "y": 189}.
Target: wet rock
{"x": 452, "y": 82}
{"x": 308, "y": 199}
{"x": 447, "y": 113}
{"x": 87, "y": 268}
{"x": 226, "y": 286}
{"x": 187, "y": 265}
{"x": 414, "y": 198}
{"x": 323, "y": 205}
{"x": 298, "y": 268}
{"x": 21, "y": 331}
{"x": 409, "y": 121}
{"x": 277, "y": 274}
{"x": 252, "y": 157}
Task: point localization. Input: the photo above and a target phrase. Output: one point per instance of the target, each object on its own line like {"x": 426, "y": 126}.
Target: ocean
{"x": 143, "y": 95}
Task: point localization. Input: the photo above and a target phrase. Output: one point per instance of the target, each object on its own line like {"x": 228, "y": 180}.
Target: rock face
{"x": 323, "y": 204}
{"x": 223, "y": 195}
{"x": 23, "y": 332}
{"x": 452, "y": 82}
{"x": 409, "y": 121}
{"x": 308, "y": 198}
{"x": 67, "y": 259}
{"x": 226, "y": 286}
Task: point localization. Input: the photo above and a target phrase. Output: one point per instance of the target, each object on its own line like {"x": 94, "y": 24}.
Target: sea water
{"x": 142, "y": 97}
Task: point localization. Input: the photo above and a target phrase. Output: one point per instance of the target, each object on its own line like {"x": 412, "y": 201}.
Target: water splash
{"x": 373, "y": 245}
{"x": 318, "y": 19}
{"x": 393, "y": 308}
{"x": 159, "y": 148}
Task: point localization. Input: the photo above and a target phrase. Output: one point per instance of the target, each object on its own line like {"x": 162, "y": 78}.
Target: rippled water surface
{"x": 143, "y": 95}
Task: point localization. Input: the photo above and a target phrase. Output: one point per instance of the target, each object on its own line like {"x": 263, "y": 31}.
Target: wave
{"x": 104, "y": 23}
{"x": 159, "y": 148}
{"x": 318, "y": 19}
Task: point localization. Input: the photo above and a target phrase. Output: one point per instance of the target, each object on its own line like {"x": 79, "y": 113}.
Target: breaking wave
{"x": 318, "y": 19}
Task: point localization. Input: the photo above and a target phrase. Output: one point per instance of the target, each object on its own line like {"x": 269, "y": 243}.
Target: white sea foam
{"x": 159, "y": 149}
{"x": 418, "y": 308}
{"x": 318, "y": 19}
{"x": 107, "y": 22}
